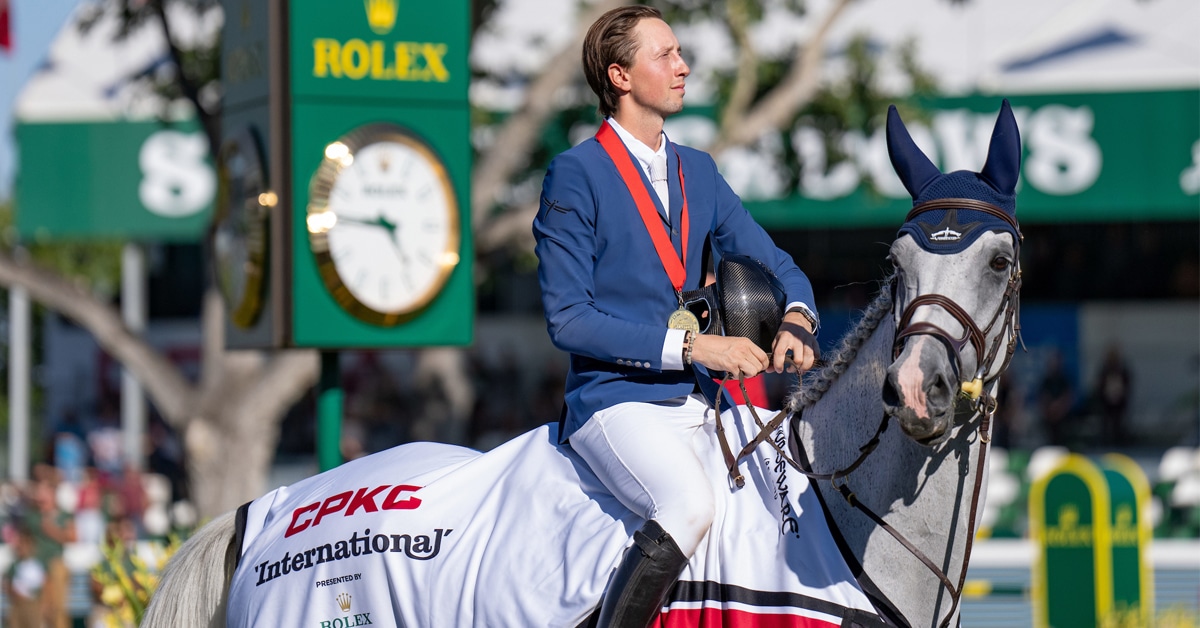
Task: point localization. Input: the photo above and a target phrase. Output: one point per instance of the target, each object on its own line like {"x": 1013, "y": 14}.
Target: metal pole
{"x": 19, "y": 341}
{"x": 329, "y": 412}
{"x": 133, "y": 312}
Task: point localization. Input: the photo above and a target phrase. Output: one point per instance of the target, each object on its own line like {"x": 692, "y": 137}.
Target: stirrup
{"x": 640, "y": 585}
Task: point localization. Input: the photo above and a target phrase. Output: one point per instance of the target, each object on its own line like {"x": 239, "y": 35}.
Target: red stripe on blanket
{"x": 713, "y": 617}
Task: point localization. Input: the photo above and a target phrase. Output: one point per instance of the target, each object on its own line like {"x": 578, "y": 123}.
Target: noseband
{"x": 1006, "y": 311}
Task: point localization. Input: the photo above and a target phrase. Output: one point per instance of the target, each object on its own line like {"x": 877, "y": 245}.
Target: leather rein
{"x": 975, "y": 391}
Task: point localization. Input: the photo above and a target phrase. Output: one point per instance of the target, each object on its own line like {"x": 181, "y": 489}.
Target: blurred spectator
{"x": 89, "y": 514}
{"x": 1056, "y": 396}
{"x": 23, "y": 582}
{"x": 70, "y": 455}
{"x": 1006, "y": 423}
{"x": 166, "y": 457}
{"x": 131, "y": 493}
{"x": 1112, "y": 396}
{"x": 105, "y": 443}
{"x": 353, "y": 437}
{"x": 51, "y": 528}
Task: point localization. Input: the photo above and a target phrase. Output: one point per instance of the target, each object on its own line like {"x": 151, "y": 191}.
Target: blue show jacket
{"x": 604, "y": 290}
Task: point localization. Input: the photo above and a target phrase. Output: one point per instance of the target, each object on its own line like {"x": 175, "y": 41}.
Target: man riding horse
{"x": 620, "y": 234}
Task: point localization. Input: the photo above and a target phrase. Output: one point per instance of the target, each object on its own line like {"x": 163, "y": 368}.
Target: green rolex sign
{"x": 1072, "y": 578}
{"x": 380, "y": 124}
{"x": 346, "y": 139}
{"x": 1090, "y": 528}
{"x": 1129, "y": 497}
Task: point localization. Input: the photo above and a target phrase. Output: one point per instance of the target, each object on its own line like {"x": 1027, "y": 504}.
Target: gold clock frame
{"x": 333, "y": 162}
{"x": 253, "y": 209}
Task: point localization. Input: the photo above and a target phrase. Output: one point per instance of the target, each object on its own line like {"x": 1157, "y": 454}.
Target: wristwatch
{"x": 806, "y": 313}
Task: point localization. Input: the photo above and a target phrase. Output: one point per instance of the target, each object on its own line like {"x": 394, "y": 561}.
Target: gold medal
{"x": 685, "y": 320}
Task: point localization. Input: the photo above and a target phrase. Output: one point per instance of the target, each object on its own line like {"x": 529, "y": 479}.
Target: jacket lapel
{"x": 674, "y": 196}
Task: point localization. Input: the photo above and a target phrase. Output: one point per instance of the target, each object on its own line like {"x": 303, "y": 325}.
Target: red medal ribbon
{"x": 676, "y": 268}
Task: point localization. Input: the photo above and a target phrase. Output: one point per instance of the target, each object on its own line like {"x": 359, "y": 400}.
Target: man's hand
{"x": 733, "y": 354}
{"x": 794, "y": 336}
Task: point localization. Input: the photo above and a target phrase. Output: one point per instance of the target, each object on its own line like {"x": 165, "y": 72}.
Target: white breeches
{"x": 645, "y": 453}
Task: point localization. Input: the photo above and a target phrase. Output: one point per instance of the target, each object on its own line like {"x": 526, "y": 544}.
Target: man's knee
{"x": 687, "y": 517}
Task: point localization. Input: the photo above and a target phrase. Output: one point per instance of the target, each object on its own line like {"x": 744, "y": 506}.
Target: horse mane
{"x": 193, "y": 590}
{"x": 815, "y": 383}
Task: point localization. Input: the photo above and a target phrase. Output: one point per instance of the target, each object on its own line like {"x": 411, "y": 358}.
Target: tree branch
{"x": 510, "y": 228}
{"x": 209, "y": 120}
{"x": 746, "y": 80}
{"x": 522, "y": 130}
{"x": 166, "y": 386}
{"x": 776, "y": 109}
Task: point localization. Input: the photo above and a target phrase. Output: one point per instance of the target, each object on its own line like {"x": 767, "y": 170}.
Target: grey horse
{"x": 956, "y": 306}
{"x": 901, "y": 504}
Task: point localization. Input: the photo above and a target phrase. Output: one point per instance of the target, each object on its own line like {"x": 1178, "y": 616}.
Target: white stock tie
{"x": 658, "y": 178}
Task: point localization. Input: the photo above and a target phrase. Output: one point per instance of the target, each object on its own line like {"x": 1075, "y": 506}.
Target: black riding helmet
{"x": 747, "y": 300}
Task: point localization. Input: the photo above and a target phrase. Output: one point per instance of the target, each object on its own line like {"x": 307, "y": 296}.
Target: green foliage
{"x": 94, "y": 263}
{"x": 197, "y": 72}
{"x": 679, "y": 11}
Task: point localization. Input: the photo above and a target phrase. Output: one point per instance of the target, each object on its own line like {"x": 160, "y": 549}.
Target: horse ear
{"x": 1004, "y": 153}
{"x": 914, "y": 168}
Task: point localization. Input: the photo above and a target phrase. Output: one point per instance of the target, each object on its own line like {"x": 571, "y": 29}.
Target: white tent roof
{"x": 1038, "y": 46}
{"x": 997, "y": 46}
{"x": 87, "y": 76}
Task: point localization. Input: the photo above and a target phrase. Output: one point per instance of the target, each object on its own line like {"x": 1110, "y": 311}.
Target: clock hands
{"x": 391, "y": 227}
{"x": 378, "y": 221}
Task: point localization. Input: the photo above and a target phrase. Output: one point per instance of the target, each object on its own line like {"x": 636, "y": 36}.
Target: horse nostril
{"x": 938, "y": 393}
{"x": 891, "y": 393}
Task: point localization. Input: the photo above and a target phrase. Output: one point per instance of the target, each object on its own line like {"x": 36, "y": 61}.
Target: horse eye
{"x": 1000, "y": 263}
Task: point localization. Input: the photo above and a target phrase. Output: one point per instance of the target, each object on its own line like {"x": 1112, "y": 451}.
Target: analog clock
{"x": 383, "y": 223}
{"x": 240, "y": 234}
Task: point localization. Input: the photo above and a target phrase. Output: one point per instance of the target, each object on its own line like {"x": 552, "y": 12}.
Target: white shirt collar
{"x": 644, "y": 153}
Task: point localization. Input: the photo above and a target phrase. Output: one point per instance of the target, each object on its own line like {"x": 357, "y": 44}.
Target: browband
{"x": 965, "y": 203}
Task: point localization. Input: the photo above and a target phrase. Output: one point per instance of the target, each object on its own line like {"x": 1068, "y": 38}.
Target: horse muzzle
{"x": 920, "y": 391}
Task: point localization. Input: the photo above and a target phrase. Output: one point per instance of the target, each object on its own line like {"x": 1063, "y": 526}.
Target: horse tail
{"x": 194, "y": 587}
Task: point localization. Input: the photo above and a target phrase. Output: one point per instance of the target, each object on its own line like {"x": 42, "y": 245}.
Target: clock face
{"x": 240, "y": 236}
{"x": 383, "y": 223}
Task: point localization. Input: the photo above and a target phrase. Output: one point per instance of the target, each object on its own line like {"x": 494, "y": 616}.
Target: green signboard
{"x": 361, "y": 178}
{"x": 380, "y": 172}
{"x": 1128, "y": 156}
{"x": 1133, "y": 589}
{"x": 129, "y": 180}
{"x": 1072, "y": 577}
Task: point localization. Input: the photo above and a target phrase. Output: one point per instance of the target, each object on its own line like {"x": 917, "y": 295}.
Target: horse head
{"x": 956, "y": 282}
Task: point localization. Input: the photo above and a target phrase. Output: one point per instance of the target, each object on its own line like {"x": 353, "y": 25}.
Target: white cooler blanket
{"x": 524, "y": 535}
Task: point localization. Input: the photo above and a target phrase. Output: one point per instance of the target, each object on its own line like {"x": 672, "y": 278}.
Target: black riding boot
{"x": 645, "y": 576}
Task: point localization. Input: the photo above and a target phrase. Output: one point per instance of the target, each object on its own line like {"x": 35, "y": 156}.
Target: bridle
{"x": 1006, "y": 312}
{"x": 977, "y": 390}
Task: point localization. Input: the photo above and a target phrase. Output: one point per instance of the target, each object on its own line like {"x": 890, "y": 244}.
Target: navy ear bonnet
{"x": 949, "y": 231}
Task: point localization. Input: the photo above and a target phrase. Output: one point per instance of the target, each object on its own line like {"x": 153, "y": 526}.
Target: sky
{"x": 34, "y": 25}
